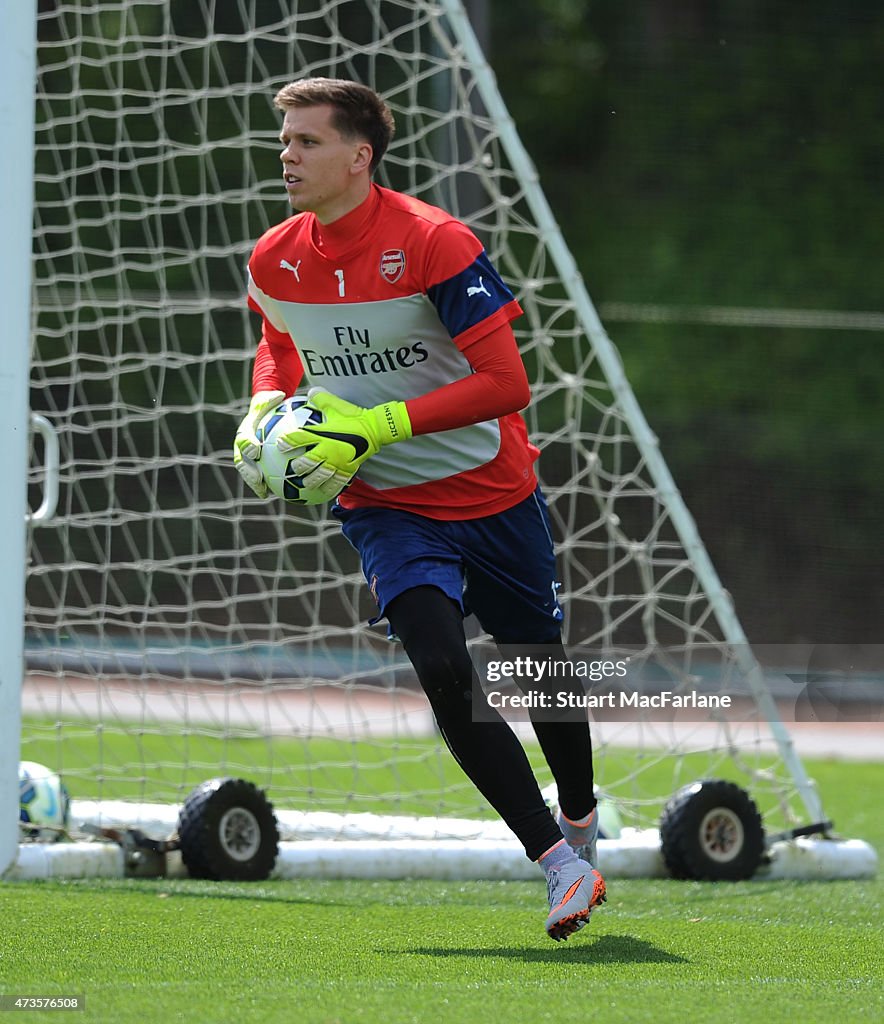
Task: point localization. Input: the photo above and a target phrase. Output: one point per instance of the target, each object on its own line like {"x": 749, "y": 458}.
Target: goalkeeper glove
{"x": 347, "y": 436}
{"x": 247, "y": 447}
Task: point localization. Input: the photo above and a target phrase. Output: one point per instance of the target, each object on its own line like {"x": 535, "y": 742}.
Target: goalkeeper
{"x": 392, "y": 312}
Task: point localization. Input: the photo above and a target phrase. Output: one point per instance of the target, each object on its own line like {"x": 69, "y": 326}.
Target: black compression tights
{"x": 430, "y": 626}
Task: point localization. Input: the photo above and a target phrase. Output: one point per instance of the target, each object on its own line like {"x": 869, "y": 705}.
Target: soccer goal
{"x": 179, "y": 630}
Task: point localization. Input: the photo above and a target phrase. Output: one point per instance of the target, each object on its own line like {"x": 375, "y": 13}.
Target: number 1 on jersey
{"x": 339, "y": 274}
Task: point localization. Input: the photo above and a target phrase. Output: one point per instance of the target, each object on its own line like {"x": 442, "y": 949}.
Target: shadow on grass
{"x": 190, "y": 888}
{"x": 607, "y": 949}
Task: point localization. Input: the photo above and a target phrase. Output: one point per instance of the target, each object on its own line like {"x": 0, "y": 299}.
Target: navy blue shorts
{"x": 500, "y": 568}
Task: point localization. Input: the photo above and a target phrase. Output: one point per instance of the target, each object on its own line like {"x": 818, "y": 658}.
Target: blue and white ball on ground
{"x": 44, "y": 803}
{"x": 293, "y": 413}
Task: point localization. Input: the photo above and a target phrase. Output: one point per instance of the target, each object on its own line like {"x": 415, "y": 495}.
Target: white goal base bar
{"x": 339, "y": 846}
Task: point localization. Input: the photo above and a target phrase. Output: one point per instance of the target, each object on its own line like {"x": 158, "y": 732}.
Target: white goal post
{"x": 177, "y": 629}
{"x": 16, "y": 162}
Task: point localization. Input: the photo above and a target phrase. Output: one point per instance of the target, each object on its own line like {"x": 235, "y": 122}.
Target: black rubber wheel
{"x": 711, "y": 830}
{"x": 227, "y": 832}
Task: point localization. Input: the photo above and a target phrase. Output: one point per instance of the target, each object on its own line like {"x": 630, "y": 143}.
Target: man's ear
{"x": 362, "y": 158}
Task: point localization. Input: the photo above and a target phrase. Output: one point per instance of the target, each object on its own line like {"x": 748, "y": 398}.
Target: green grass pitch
{"x": 459, "y": 952}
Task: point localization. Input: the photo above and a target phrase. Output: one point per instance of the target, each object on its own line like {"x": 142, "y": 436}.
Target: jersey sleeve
{"x": 469, "y": 295}
{"x": 262, "y": 303}
{"x": 497, "y": 386}
{"x": 277, "y": 365}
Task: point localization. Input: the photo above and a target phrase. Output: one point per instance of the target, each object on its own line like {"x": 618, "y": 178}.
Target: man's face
{"x": 323, "y": 172}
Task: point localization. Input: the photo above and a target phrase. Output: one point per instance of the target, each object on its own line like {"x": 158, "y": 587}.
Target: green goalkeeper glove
{"x": 347, "y": 436}
{"x": 247, "y": 447}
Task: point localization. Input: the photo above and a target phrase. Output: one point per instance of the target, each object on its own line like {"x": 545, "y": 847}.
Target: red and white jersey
{"x": 384, "y": 313}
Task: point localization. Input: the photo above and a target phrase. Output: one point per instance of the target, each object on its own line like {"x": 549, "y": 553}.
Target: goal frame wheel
{"x": 227, "y": 831}
{"x": 711, "y": 831}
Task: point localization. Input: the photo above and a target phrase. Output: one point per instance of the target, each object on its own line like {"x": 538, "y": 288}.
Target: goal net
{"x": 177, "y": 628}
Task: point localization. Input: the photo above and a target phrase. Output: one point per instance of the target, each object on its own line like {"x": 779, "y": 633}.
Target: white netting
{"x": 176, "y": 627}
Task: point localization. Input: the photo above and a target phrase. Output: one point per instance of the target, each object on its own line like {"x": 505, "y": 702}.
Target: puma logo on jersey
{"x": 480, "y": 290}
{"x": 285, "y": 265}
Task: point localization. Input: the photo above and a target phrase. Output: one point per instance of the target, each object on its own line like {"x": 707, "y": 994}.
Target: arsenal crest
{"x": 392, "y": 265}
